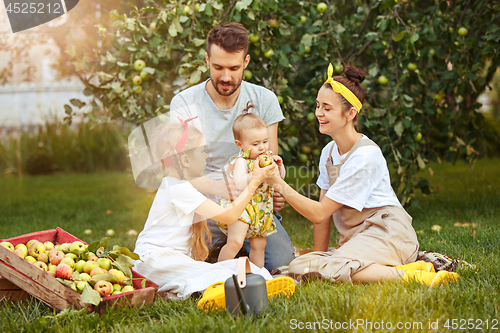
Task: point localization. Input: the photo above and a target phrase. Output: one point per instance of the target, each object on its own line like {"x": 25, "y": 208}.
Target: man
{"x": 217, "y": 102}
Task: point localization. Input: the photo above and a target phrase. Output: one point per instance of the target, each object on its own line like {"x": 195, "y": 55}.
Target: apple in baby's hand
{"x": 104, "y": 288}
{"x": 64, "y": 271}
{"x": 104, "y": 263}
{"x": 265, "y": 160}
{"x": 8, "y": 246}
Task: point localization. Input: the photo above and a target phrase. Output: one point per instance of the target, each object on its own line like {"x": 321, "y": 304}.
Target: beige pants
{"x": 384, "y": 236}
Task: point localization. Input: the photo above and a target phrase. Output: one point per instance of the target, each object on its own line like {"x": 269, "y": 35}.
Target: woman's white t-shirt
{"x": 363, "y": 180}
{"x": 170, "y": 218}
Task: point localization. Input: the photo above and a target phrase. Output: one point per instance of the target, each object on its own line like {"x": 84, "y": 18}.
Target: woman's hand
{"x": 275, "y": 177}
{"x": 260, "y": 174}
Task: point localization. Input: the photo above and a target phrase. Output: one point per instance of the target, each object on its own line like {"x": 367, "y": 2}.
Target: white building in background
{"x": 30, "y": 103}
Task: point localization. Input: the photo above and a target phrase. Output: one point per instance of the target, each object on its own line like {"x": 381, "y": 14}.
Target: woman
{"x": 377, "y": 240}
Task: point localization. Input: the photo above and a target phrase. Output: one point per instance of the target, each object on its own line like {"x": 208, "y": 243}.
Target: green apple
{"x": 382, "y": 80}
{"x": 339, "y": 68}
{"x": 68, "y": 261}
{"x": 8, "y": 246}
{"x": 303, "y": 158}
{"x": 307, "y": 49}
{"x": 21, "y": 252}
{"x": 432, "y": 52}
{"x": 116, "y": 293}
{"x": 80, "y": 285}
{"x": 463, "y": 31}
{"x": 87, "y": 232}
{"x": 41, "y": 265}
{"x": 247, "y": 74}
{"x": 303, "y": 19}
{"x": 144, "y": 75}
{"x": 436, "y": 228}
{"x": 139, "y": 65}
{"x": 117, "y": 287}
{"x": 118, "y": 275}
{"x": 186, "y": 10}
{"x": 439, "y": 111}
{"x": 48, "y": 245}
{"x": 322, "y": 7}
{"x": 137, "y": 80}
{"x": 98, "y": 270}
{"x": 311, "y": 116}
{"x": 412, "y": 66}
{"x": 418, "y": 137}
{"x": 65, "y": 247}
{"x": 316, "y": 152}
{"x": 30, "y": 259}
{"x": 77, "y": 247}
{"x": 79, "y": 266}
{"x": 43, "y": 257}
{"x": 137, "y": 89}
{"x": 269, "y": 53}
{"x": 280, "y": 99}
{"x": 110, "y": 232}
{"x": 85, "y": 277}
{"x": 451, "y": 30}
{"x": 152, "y": 26}
{"x": 104, "y": 263}
{"x": 273, "y": 23}
{"x": 127, "y": 289}
{"x": 449, "y": 135}
{"x": 253, "y": 38}
{"x": 71, "y": 255}
{"x": 89, "y": 266}
{"x": 35, "y": 249}
{"x": 265, "y": 160}
{"x": 31, "y": 242}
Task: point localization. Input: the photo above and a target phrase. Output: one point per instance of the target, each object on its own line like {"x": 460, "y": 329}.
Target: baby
{"x": 252, "y": 137}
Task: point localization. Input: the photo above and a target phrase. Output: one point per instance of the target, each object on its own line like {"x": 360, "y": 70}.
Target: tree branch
{"x": 359, "y": 34}
{"x": 228, "y": 10}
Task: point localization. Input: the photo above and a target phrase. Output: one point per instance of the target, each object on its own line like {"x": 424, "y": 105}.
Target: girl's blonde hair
{"x": 247, "y": 121}
{"x": 166, "y": 139}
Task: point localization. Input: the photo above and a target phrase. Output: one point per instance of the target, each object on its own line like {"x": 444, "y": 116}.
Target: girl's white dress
{"x": 164, "y": 244}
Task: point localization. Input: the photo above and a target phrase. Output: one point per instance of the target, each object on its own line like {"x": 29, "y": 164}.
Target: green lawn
{"x": 103, "y": 201}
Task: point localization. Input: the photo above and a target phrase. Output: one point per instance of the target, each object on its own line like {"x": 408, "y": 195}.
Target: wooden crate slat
{"x": 8, "y": 258}
{"x": 41, "y": 292}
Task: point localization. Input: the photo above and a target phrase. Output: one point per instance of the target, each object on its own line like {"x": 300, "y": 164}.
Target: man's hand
{"x": 278, "y": 201}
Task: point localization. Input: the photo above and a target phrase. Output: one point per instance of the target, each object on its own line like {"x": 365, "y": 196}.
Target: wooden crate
{"x": 21, "y": 280}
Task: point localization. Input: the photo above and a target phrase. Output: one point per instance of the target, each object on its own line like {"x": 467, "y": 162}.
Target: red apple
{"x": 97, "y": 270}
{"x": 35, "y": 249}
{"x": 44, "y": 257}
{"x": 56, "y": 256}
{"x": 64, "y": 271}
{"x": 104, "y": 288}
{"x": 265, "y": 160}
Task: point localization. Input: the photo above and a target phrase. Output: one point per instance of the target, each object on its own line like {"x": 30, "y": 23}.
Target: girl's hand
{"x": 260, "y": 174}
{"x": 275, "y": 177}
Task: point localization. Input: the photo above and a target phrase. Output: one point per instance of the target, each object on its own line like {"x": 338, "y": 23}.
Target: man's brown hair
{"x": 232, "y": 37}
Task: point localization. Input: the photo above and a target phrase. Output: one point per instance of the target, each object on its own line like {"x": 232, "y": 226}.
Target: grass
{"x": 79, "y": 202}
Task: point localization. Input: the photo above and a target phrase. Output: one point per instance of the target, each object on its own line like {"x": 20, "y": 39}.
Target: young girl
{"x": 172, "y": 244}
{"x": 256, "y": 223}
{"x": 377, "y": 240}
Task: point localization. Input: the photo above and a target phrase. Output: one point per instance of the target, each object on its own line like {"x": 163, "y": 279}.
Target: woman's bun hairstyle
{"x": 354, "y": 74}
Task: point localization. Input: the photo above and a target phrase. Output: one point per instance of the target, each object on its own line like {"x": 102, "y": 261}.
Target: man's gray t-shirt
{"x": 216, "y": 124}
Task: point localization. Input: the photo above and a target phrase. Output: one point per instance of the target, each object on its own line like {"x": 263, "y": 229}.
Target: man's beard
{"x": 215, "y": 84}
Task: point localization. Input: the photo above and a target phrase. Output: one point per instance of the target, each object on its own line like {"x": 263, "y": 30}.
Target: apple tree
{"x": 426, "y": 63}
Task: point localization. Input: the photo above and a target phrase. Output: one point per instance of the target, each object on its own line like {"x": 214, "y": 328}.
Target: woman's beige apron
{"x": 382, "y": 235}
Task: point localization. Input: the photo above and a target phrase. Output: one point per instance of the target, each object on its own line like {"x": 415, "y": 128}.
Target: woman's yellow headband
{"x": 343, "y": 90}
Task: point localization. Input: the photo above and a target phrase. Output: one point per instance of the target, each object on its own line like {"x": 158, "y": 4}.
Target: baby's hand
{"x": 281, "y": 167}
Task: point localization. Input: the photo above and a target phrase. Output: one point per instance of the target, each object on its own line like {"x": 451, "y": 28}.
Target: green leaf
{"x": 243, "y": 4}
{"x": 90, "y": 296}
{"x": 172, "y": 31}
{"x": 148, "y": 70}
{"x": 121, "y": 64}
{"x": 398, "y": 128}
{"x": 307, "y": 39}
{"x": 143, "y": 283}
{"x": 125, "y": 251}
{"x": 87, "y": 92}
{"x": 183, "y": 18}
{"x": 102, "y": 277}
{"x": 195, "y": 77}
{"x": 284, "y": 31}
{"x": 198, "y": 41}
{"x": 420, "y": 161}
{"x": 414, "y": 38}
{"x": 399, "y": 36}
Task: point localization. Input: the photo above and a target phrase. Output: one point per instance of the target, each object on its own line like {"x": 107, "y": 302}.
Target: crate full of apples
{"x": 93, "y": 272}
